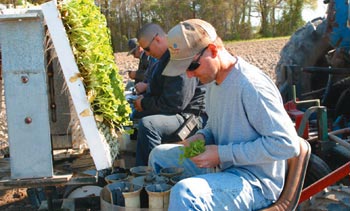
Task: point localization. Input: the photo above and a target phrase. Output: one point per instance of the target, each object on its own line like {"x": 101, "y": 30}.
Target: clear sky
{"x": 309, "y": 14}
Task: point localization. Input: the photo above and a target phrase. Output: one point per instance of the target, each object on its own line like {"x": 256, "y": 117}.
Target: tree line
{"x": 233, "y": 19}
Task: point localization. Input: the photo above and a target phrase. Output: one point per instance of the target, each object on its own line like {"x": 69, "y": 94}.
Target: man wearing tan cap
{"x": 248, "y": 136}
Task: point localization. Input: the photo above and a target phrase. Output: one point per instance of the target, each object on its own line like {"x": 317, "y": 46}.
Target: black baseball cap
{"x": 132, "y": 43}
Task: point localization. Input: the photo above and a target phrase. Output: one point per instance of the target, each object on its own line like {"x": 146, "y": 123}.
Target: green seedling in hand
{"x": 196, "y": 147}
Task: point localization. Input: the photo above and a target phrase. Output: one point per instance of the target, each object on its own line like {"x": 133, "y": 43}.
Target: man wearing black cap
{"x": 137, "y": 51}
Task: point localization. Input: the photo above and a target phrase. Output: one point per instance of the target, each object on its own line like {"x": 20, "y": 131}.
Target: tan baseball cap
{"x": 185, "y": 40}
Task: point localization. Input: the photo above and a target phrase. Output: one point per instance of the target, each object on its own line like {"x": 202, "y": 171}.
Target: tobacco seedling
{"x": 195, "y": 148}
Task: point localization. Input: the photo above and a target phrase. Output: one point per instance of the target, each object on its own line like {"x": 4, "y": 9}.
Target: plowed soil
{"x": 262, "y": 53}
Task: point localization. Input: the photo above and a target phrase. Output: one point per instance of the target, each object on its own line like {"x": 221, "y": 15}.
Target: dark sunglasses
{"x": 195, "y": 64}
{"x": 149, "y": 45}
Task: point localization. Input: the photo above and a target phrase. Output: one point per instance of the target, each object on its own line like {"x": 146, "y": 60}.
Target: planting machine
{"x": 313, "y": 76}
{"x": 53, "y": 137}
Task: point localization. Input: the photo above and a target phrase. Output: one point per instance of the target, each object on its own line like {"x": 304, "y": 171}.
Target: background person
{"x": 141, "y": 76}
{"x": 139, "y": 53}
{"x": 249, "y": 135}
{"x": 170, "y": 100}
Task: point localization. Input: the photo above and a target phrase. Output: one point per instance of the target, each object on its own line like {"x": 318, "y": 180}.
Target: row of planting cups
{"x": 173, "y": 173}
{"x": 140, "y": 191}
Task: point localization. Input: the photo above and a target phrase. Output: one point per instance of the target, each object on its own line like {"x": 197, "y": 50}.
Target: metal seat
{"x": 297, "y": 166}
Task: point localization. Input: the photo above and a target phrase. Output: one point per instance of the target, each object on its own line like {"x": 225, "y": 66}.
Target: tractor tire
{"x": 306, "y": 47}
{"x": 338, "y": 156}
{"x": 316, "y": 169}
{"x": 343, "y": 104}
{"x": 335, "y": 198}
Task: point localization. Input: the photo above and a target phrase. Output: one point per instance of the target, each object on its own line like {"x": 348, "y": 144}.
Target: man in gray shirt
{"x": 248, "y": 136}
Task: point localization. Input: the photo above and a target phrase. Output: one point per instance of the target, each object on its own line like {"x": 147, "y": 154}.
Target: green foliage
{"x": 244, "y": 32}
{"x": 291, "y": 19}
{"x": 233, "y": 19}
{"x": 195, "y": 148}
{"x": 91, "y": 43}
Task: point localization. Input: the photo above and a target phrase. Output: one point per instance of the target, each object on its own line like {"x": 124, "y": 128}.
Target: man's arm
{"x": 175, "y": 96}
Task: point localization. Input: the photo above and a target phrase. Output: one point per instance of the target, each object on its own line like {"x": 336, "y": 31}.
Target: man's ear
{"x": 157, "y": 38}
{"x": 214, "y": 49}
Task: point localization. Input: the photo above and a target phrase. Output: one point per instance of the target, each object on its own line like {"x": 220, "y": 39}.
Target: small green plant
{"x": 91, "y": 43}
{"x": 195, "y": 148}
{"x": 90, "y": 40}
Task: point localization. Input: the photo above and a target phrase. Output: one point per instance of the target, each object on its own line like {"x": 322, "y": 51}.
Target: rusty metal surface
{"x": 329, "y": 180}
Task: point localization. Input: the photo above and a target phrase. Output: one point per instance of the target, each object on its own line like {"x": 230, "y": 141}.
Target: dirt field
{"x": 262, "y": 53}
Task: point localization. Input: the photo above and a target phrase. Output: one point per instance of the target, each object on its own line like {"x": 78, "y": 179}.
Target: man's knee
{"x": 147, "y": 122}
{"x": 157, "y": 152}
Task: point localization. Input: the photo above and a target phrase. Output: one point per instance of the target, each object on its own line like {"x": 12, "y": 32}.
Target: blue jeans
{"x": 206, "y": 189}
{"x": 154, "y": 130}
{"x": 158, "y": 129}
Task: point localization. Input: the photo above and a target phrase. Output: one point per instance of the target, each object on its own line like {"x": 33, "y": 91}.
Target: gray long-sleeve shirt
{"x": 249, "y": 124}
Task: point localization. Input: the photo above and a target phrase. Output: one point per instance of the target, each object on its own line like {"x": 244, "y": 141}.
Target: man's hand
{"x": 132, "y": 74}
{"x": 195, "y": 137}
{"x": 187, "y": 141}
{"x": 137, "y": 103}
{"x": 208, "y": 159}
{"x": 141, "y": 87}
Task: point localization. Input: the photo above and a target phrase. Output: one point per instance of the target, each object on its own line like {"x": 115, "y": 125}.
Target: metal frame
{"x": 289, "y": 89}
